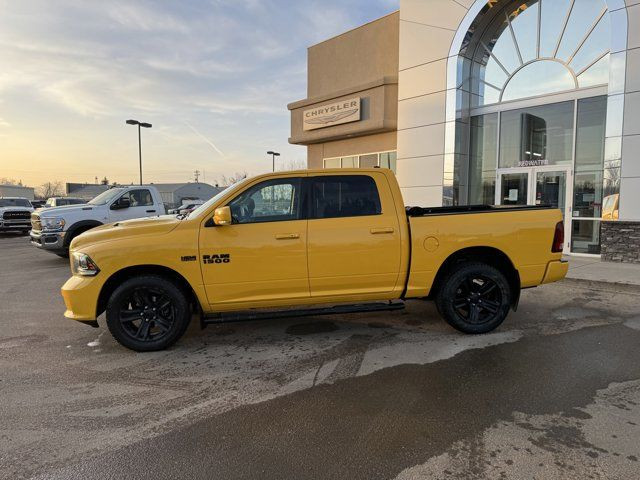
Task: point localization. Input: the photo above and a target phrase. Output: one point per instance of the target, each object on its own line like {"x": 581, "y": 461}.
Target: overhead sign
{"x": 539, "y": 162}
{"x": 344, "y": 111}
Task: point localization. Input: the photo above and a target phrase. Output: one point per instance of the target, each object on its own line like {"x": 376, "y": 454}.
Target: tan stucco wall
{"x": 380, "y": 142}
{"x": 362, "y": 55}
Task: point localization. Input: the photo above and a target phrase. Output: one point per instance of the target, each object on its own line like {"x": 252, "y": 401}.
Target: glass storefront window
{"x": 482, "y": 161}
{"x": 349, "y": 162}
{"x": 331, "y": 163}
{"x": 537, "y": 136}
{"x": 592, "y": 115}
{"x": 585, "y": 236}
{"x": 587, "y": 195}
{"x": 388, "y": 160}
{"x": 369, "y": 161}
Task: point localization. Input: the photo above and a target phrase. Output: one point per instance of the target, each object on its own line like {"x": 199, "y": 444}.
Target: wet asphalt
{"x": 553, "y": 393}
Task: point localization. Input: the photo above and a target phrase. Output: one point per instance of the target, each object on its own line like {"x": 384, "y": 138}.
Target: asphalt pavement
{"x": 553, "y": 393}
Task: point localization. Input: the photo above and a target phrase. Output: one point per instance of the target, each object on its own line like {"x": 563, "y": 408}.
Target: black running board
{"x": 228, "y": 317}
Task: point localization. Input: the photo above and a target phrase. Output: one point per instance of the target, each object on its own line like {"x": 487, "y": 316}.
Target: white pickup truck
{"x": 53, "y": 229}
{"x": 15, "y": 213}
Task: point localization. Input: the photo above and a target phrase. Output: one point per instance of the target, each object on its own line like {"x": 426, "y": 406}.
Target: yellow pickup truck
{"x": 309, "y": 243}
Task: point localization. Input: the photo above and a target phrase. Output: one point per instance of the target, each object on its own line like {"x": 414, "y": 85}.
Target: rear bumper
{"x": 80, "y": 296}
{"x": 556, "y": 270}
{"x": 54, "y": 242}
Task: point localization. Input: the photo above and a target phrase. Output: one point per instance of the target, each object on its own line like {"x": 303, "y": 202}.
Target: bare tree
{"x": 50, "y": 189}
{"x": 297, "y": 164}
{"x": 227, "y": 181}
{"x": 8, "y": 181}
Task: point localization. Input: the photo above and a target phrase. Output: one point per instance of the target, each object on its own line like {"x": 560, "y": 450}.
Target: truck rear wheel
{"x": 474, "y": 298}
{"x": 148, "y": 313}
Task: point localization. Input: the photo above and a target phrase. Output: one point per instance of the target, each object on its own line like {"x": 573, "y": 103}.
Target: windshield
{"x": 106, "y": 197}
{"x": 14, "y": 202}
{"x": 205, "y": 206}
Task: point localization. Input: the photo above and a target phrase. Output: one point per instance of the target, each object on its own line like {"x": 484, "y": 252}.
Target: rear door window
{"x": 336, "y": 196}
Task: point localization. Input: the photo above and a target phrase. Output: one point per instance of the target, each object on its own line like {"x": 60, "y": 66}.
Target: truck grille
{"x": 36, "y": 224}
{"x": 16, "y": 215}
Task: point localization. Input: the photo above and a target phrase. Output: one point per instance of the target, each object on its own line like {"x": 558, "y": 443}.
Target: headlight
{"x": 52, "y": 224}
{"x": 83, "y": 265}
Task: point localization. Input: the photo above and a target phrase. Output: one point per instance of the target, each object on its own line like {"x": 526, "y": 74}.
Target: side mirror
{"x": 222, "y": 216}
{"x": 122, "y": 202}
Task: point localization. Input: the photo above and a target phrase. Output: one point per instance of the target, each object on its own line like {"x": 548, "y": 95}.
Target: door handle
{"x": 151, "y": 211}
{"x": 377, "y": 231}
{"x": 287, "y": 236}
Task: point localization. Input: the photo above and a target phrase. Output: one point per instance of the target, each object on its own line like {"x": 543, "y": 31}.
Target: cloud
{"x": 225, "y": 66}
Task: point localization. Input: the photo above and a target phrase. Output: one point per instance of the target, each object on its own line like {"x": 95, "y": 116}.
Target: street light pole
{"x": 273, "y": 159}
{"x": 144, "y": 125}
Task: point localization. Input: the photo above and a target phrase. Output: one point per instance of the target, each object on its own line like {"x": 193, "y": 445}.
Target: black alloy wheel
{"x": 474, "y": 298}
{"x": 148, "y": 313}
{"x": 477, "y": 299}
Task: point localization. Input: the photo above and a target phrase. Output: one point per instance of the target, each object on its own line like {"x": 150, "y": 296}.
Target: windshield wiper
{"x": 182, "y": 216}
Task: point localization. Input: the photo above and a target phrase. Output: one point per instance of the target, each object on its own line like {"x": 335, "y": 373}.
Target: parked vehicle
{"x": 15, "y": 213}
{"x": 338, "y": 237}
{"x": 186, "y": 207}
{"x": 53, "y": 229}
{"x": 610, "y": 206}
{"x": 63, "y": 201}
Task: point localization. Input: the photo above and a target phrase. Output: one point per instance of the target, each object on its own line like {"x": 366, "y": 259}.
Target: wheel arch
{"x": 78, "y": 228}
{"x": 489, "y": 255}
{"x": 160, "y": 270}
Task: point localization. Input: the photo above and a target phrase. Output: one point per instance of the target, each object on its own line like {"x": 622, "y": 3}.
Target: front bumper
{"x": 80, "y": 296}
{"x": 52, "y": 241}
{"x": 556, "y": 270}
{"x": 6, "y": 225}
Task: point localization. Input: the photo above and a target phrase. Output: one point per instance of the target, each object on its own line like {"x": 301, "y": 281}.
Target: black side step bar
{"x": 228, "y": 317}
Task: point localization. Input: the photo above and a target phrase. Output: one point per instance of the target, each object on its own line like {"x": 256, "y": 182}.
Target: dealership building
{"x": 491, "y": 102}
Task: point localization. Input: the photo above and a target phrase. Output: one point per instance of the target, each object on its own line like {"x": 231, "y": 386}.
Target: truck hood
{"x": 127, "y": 228}
{"x": 15, "y": 209}
{"x": 61, "y": 211}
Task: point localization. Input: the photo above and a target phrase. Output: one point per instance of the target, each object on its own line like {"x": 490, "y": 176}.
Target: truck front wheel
{"x": 147, "y": 313}
{"x": 474, "y": 298}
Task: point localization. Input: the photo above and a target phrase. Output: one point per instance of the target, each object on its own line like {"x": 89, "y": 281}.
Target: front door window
{"x": 514, "y": 188}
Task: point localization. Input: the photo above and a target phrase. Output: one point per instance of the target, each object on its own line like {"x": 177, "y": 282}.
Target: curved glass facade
{"x": 539, "y": 47}
{"x": 532, "y": 98}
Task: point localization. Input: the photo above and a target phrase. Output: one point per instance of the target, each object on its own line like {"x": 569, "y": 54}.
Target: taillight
{"x": 558, "y": 238}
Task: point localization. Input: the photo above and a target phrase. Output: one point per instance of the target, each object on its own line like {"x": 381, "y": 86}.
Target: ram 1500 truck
{"x": 309, "y": 242}
{"x": 53, "y": 229}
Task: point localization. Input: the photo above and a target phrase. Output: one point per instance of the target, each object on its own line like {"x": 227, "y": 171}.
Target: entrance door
{"x": 548, "y": 185}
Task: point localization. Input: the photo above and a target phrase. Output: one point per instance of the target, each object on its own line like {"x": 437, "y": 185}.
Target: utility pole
{"x": 196, "y": 175}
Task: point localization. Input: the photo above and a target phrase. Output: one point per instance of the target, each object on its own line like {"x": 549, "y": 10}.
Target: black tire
{"x": 148, "y": 313}
{"x": 474, "y": 298}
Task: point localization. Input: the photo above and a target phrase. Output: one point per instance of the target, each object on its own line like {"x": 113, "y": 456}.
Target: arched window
{"x": 532, "y": 48}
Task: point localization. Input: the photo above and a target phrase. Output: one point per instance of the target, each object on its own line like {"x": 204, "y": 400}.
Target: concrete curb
{"x": 616, "y": 287}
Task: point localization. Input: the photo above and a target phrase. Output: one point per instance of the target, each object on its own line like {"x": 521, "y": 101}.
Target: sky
{"x": 212, "y": 76}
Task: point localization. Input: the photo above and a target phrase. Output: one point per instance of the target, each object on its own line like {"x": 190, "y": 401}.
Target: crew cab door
{"x": 354, "y": 236}
{"x": 136, "y": 203}
{"x": 262, "y": 255}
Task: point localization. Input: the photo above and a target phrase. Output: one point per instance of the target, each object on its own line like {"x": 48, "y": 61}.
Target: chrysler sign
{"x": 337, "y": 113}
